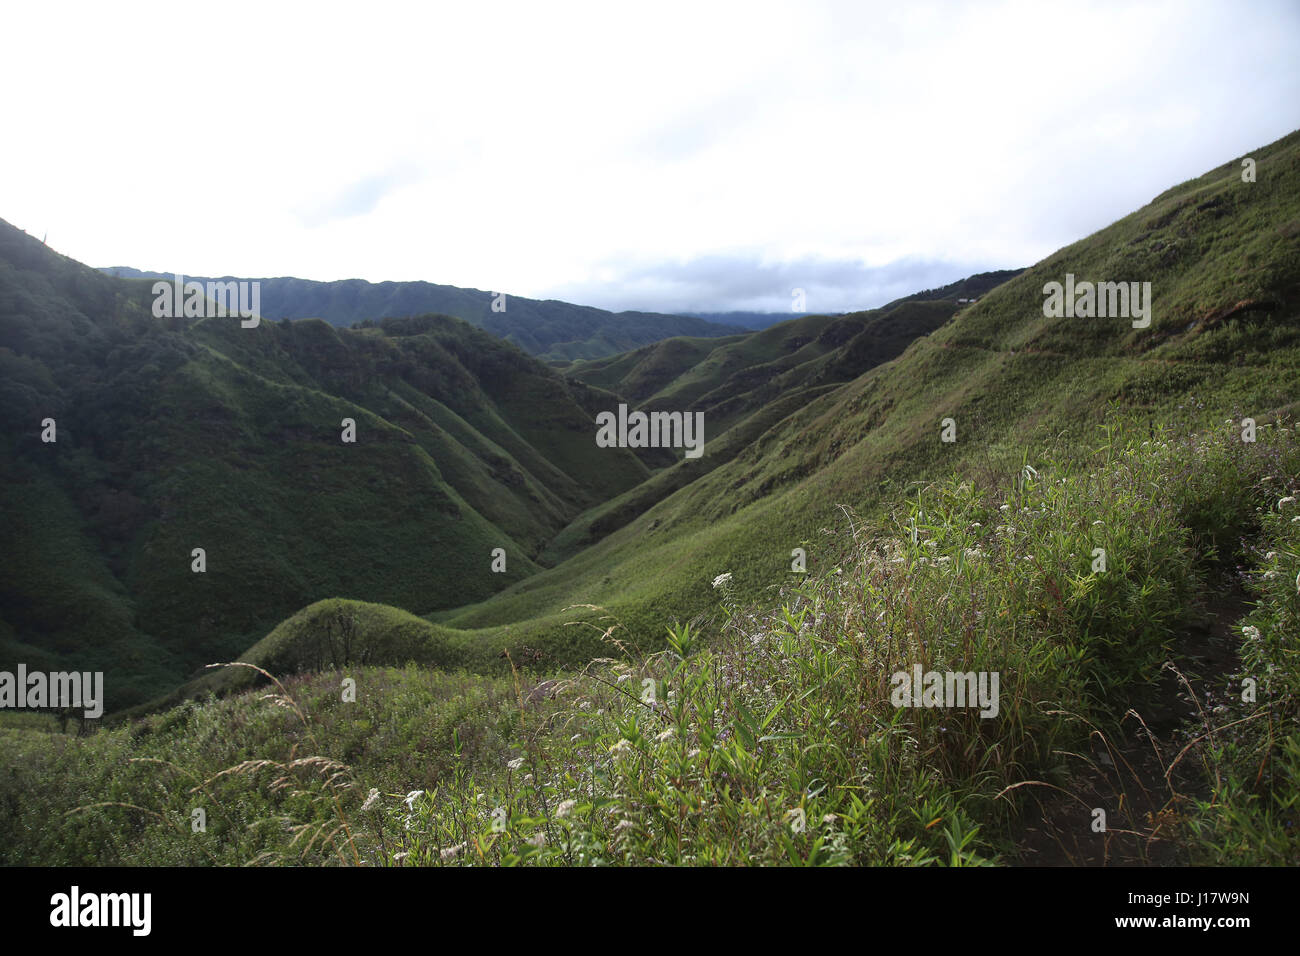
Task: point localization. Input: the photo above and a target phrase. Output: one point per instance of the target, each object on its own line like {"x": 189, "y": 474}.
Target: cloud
{"x": 740, "y": 282}
{"x": 704, "y": 156}
{"x": 358, "y": 198}
{"x": 712, "y": 124}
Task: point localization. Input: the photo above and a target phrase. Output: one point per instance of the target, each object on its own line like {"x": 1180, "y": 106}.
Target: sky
{"x": 667, "y": 157}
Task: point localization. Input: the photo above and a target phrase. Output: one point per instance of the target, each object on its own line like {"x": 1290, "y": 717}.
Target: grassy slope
{"x": 744, "y": 389}
{"x": 638, "y": 374}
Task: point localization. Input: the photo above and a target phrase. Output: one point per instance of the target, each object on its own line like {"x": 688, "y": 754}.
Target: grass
{"x": 766, "y": 734}
{"x": 1252, "y": 817}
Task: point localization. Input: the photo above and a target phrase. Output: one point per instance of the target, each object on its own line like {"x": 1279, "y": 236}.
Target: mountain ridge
{"x": 548, "y": 328}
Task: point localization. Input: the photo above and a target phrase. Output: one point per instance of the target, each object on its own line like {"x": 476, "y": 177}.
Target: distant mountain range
{"x": 745, "y": 320}
{"x": 547, "y": 328}
{"x": 970, "y": 287}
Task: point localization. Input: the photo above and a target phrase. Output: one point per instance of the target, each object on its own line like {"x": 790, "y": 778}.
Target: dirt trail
{"x": 1127, "y": 778}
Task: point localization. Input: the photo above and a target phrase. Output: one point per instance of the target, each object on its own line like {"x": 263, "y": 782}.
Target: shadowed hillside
{"x": 174, "y": 434}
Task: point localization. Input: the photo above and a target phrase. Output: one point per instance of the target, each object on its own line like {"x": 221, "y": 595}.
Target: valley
{"x": 500, "y": 584}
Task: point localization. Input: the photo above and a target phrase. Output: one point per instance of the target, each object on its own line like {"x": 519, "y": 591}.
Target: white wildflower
{"x": 565, "y": 808}
{"x": 412, "y": 797}
{"x": 370, "y": 798}
{"x": 622, "y": 747}
{"x": 516, "y": 763}
{"x": 1251, "y": 632}
{"x": 722, "y": 579}
{"x": 538, "y": 840}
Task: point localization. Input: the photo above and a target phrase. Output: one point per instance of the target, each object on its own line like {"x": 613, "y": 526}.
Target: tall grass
{"x": 1253, "y": 814}
{"x": 776, "y": 742}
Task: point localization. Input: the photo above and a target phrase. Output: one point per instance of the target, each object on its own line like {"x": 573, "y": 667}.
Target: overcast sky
{"x": 663, "y": 156}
